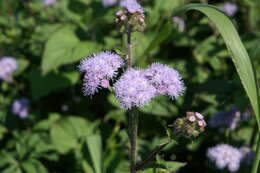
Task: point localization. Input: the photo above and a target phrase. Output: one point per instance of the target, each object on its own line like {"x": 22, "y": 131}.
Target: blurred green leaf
{"x": 67, "y": 132}
{"x": 64, "y": 47}
{"x": 95, "y": 148}
{"x": 34, "y": 166}
{"x": 44, "y": 85}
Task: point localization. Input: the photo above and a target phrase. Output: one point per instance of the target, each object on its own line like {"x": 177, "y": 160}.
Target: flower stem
{"x": 129, "y": 46}
{"x": 257, "y": 157}
{"x": 132, "y": 132}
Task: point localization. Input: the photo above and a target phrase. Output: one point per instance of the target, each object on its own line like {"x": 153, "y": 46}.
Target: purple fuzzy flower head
{"x": 224, "y": 155}
{"x": 7, "y": 66}
{"x": 132, "y": 89}
{"x": 132, "y": 6}
{"x": 20, "y": 107}
{"x": 166, "y": 80}
{"x": 49, "y": 2}
{"x": 179, "y": 22}
{"x": 230, "y": 8}
{"x": 229, "y": 119}
{"x": 108, "y": 3}
{"x": 98, "y": 69}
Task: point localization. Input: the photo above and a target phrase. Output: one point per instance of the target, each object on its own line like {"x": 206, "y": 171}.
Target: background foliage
{"x": 66, "y": 132}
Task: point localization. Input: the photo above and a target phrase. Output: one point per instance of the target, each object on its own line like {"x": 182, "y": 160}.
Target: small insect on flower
{"x": 224, "y": 155}
{"x": 20, "y": 107}
{"x": 98, "y": 69}
{"x": 7, "y": 66}
{"x": 166, "y": 80}
{"x": 132, "y": 89}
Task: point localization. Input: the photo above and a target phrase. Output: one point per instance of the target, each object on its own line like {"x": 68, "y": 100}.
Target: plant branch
{"x": 151, "y": 156}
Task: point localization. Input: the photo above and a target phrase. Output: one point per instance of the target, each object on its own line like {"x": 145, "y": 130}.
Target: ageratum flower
{"x": 179, "y": 22}
{"x": 7, "y": 66}
{"x": 166, "y": 80}
{"x": 132, "y": 6}
{"x": 133, "y": 89}
{"x": 228, "y": 119}
{"x": 49, "y": 2}
{"x": 98, "y": 69}
{"x": 108, "y": 3}
{"x": 20, "y": 107}
{"x": 225, "y": 156}
{"x": 230, "y": 8}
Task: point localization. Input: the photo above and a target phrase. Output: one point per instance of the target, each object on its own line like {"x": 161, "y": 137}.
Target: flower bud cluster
{"x": 130, "y": 17}
{"x": 190, "y": 126}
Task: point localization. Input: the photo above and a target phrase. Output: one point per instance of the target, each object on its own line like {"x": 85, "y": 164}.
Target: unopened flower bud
{"x": 190, "y": 126}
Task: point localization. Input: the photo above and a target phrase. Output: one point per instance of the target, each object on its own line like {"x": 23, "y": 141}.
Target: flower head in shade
{"x": 229, "y": 119}
{"x": 166, "y": 80}
{"x": 49, "y": 2}
{"x": 225, "y": 156}
{"x": 132, "y": 6}
{"x": 108, "y": 3}
{"x": 98, "y": 69}
{"x": 20, "y": 107}
{"x": 179, "y": 22}
{"x": 248, "y": 155}
{"x": 132, "y": 89}
{"x": 230, "y": 8}
{"x": 7, "y": 66}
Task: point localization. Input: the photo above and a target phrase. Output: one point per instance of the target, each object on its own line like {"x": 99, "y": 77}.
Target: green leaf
{"x": 66, "y": 133}
{"x": 44, "y": 85}
{"x": 34, "y": 166}
{"x": 64, "y": 47}
{"x": 236, "y": 49}
{"x": 94, "y": 144}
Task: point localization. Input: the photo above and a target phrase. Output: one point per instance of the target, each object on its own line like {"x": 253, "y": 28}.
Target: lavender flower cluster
{"x": 7, "y": 66}
{"x": 226, "y": 156}
{"x": 98, "y": 69}
{"x": 159, "y": 79}
{"x": 20, "y": 107}
{"x": 135, "y": 87}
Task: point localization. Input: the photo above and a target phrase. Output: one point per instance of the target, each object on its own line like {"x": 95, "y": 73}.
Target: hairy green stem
{"x": 132, "y": 132}
{"x": 257, "y": 157}
{"x": 129, "y": 46}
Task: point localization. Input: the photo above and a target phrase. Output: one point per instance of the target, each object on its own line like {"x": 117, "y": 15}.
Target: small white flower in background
{"x": 49, "y": 2}
{"x": 7, "y": 66}
{"x": 230, "y": 8}
{"x": 20, "y": 107}
{"x": 108, "y": 3}
{"x": 180, "y": 23}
